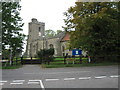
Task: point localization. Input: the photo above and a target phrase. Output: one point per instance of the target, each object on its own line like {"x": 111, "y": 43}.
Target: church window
{"x": 39, "y": 29}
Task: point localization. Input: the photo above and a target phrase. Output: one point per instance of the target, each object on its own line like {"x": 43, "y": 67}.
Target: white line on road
{"x": 114, "y": 76}
{"x": 16, "y": 83}
{"x": 42, "y": 86}
{"x": 18, "y": 80}
{"x": 33, "y": 82}
{"x": 52, "y": 79}
{"x": 1, "y": 84}
{"x": 69, "y": 78}
{"x": 84, "y": 78}
{"x": 40, "y": 82}
{"x": 3, "y": 81}
{"x": 100, "y": 77}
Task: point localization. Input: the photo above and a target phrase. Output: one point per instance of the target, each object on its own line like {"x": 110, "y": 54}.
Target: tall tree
{"x": 50, "y": 33}
{"x": 96, "y": 26}
{"x": 12, "y": 27}
{"x": 58, "y": 31}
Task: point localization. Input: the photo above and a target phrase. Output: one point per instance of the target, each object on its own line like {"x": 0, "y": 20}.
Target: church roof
{"x": 66, "y": 37}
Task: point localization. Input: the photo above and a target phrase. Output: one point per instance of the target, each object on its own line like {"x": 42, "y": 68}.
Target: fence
{"x": 67, "y": 59}
{"x": 23, "y": 61}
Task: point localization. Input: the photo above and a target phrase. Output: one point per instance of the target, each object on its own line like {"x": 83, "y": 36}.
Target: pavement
{"x": 33, "y": 76}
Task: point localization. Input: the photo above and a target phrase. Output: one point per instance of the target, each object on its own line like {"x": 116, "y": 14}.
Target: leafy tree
{"x": 96, "y": 26}
{"x": 12, "y": 27}
{"x": 58, "y": 31}
{"x": 50, "y": 33}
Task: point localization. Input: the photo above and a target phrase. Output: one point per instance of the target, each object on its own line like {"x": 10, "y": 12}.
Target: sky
{"x": 48, "y": 11}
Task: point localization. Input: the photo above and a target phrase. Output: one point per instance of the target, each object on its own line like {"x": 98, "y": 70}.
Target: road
{"x": 33, "y": 76}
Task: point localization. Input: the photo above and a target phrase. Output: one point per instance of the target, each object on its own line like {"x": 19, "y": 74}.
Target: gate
{"x": 31, "y": 61}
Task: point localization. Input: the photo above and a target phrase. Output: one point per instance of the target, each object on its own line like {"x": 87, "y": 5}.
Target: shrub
{"x": 46, "y": 55}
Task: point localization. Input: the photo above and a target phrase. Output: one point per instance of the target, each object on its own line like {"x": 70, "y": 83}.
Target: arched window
{"x": 51, "y": 46}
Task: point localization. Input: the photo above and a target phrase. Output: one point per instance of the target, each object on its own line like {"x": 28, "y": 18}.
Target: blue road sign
{"x": 76, "y": 52}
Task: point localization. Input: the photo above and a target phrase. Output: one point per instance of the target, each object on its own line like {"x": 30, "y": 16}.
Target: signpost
{"x": 77, "y": 52}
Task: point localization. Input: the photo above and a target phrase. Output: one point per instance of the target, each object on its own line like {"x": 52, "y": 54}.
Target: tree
{"x": 50, "y": 33}
{"x": 96, "y": 26}
{"x": 12, "y": 27}
{"x": 46, "y": 55}
{"x": 58, "y": 31}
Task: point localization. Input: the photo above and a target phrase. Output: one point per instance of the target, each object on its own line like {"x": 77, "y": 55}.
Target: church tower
{"x": 36, "y": 31}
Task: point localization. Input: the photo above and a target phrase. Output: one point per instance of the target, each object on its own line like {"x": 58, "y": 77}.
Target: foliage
{"x": 50, "y": 33}
{"x": 96, "y": 28}
{"x": 58, "y": 31}
{"x": 12, "y": 27}
{"x": 46, "y": 54}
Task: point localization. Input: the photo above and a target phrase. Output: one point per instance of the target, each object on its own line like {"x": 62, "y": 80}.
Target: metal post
{"x": 10, "y": 57}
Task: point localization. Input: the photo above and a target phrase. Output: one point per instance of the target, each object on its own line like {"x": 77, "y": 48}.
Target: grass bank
{"x": 59, "y": 63}
{"x": 77, "y": 65}
{"x": 11, "y": 67}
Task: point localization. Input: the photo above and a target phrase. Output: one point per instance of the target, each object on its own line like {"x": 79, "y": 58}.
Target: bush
{"x": 46, "y": 55}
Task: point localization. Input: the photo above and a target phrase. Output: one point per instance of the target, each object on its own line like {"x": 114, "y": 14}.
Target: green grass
{"x": 60, "y": 64}
{"x": 11, "y": 67}
{"x": 76, "y": 65}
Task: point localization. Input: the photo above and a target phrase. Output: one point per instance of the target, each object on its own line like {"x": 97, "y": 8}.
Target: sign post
{"x": 77, "y": 52}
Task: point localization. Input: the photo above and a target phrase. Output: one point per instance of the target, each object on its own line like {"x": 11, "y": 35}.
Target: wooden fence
{"x": 23, "y": 61}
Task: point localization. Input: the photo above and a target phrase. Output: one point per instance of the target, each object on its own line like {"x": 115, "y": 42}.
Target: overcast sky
{"x": 48, "y": 11}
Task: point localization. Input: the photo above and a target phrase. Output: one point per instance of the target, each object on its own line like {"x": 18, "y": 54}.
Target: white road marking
{"x": 33, "y": 82}
{"x": 51, "y": 79}
{"x": 114, "y": 76}
{"x": 18, "y": 80}
{"x": 84, "y": 78}
{"x": 100, "y": 77}
{"x": 1, "y": 84}
{"x": 16, "y": 83}
{"x": 36, "y": 81}
{"x": 42, "y": 86}
{"x": 3, "y": 81}
{"x": 69, "y": 78}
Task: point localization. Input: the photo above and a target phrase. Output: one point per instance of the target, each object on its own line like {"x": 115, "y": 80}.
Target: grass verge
{"x": 11, "y": 67}
{"x": 61, "y": 65}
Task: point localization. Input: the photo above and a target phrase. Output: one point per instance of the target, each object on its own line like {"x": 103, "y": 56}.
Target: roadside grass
{"x": 11, "y": 67}
{"x": 77, "y": 65}
{"x": 60, "y": 64}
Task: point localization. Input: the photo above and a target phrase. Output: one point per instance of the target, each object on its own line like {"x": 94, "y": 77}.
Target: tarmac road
{"x": 33, "y": 76}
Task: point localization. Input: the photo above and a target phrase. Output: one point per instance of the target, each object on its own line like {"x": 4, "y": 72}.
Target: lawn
{"x": 11, "y": 67}
{"x": 59, "y": 63}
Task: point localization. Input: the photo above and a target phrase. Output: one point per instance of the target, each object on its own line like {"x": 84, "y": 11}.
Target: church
{"x": 37, "y": 40}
